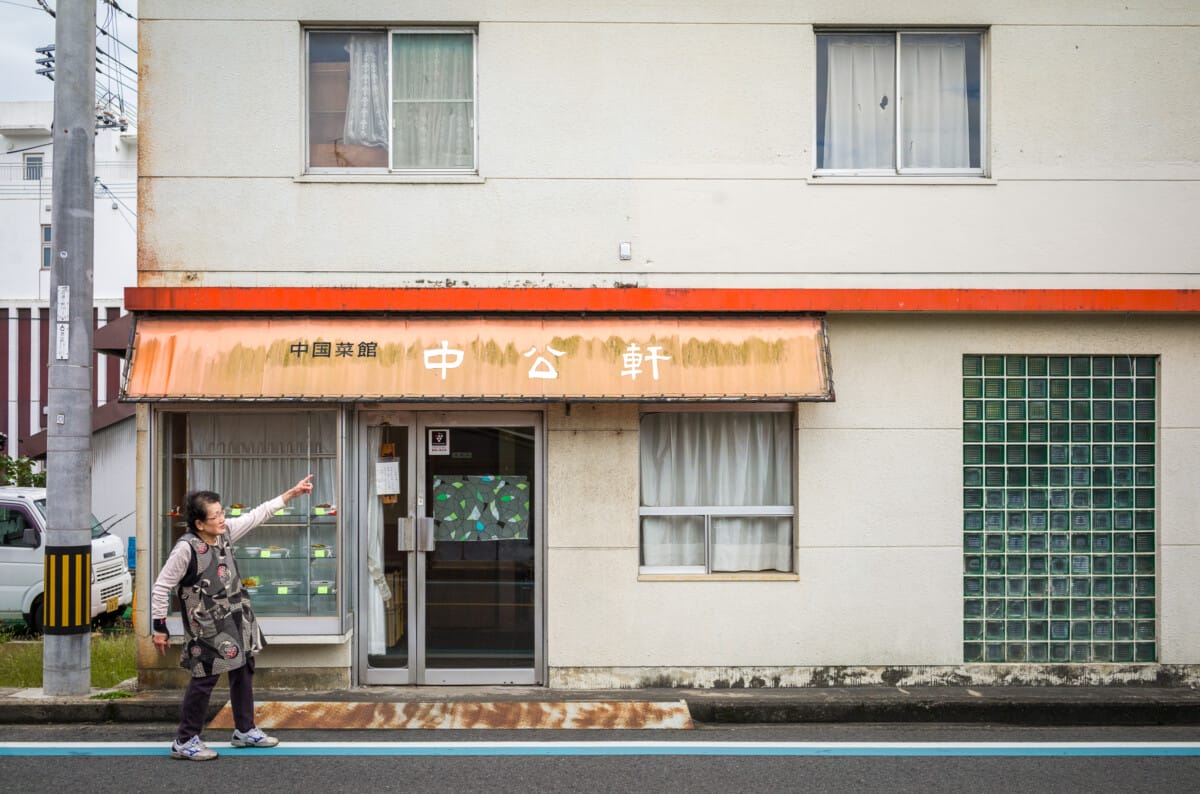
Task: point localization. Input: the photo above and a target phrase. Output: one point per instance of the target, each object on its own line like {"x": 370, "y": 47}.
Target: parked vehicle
{"x": 22, "y": 555}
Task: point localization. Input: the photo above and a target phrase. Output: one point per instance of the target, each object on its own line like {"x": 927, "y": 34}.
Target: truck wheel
{"x": 36, "y": 618}
{"x": 106, "y": 620}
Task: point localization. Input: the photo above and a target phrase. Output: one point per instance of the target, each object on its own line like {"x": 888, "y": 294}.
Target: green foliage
{"x": 112, "y": 661}
{"x": 19, "y": 471}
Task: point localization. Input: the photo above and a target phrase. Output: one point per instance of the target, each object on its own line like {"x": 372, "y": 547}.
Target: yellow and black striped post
{"x": 67, "y": 600}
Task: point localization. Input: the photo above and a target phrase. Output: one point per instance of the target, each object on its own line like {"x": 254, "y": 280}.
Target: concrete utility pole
{"x": 66, "y": 655}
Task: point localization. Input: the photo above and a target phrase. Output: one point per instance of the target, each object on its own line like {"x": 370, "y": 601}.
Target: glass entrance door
{"x": 449, "y": 522}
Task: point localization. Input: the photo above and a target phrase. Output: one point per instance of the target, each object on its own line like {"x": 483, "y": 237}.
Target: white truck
{"x": 22, "y": 556}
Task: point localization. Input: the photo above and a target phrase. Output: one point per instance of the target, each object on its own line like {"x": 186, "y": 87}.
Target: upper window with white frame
{"x": 900, "y": 102}
{"x": 716, "y": 492}
{"x": 397, "y": 99}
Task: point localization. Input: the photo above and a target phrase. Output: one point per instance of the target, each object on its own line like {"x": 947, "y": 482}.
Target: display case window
{"x": 290, "y": 564}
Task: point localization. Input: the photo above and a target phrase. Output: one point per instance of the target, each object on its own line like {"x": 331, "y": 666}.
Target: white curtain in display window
{"x": 711, "y": 461}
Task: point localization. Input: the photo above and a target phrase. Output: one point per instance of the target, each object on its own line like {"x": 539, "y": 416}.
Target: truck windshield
{"x": 97, "y": 528}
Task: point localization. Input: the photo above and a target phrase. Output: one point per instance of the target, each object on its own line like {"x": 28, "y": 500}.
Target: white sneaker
{"x": 192, "y": 750}
{"x": 252, "y": 738}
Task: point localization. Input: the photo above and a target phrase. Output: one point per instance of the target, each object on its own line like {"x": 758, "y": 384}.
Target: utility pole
{"x": 66, "y": 655}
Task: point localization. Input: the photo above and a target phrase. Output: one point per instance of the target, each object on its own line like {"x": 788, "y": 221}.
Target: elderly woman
{"x": 222, "y": 634}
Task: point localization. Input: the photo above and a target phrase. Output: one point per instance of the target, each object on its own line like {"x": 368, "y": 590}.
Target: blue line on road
{"x": 796, "y": 749}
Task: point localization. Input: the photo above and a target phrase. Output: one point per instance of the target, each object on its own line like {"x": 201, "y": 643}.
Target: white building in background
{"x": 552, "y": 297}
{"x": 26, "y": 168}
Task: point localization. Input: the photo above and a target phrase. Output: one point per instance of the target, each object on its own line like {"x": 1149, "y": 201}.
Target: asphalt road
{"x": 595, "y": 769}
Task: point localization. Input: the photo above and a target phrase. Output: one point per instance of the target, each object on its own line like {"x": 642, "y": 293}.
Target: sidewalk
{"x": 524, "y": 707}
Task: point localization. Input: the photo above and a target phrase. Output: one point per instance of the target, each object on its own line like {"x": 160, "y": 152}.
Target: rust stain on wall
{"x": 468, "y": 715}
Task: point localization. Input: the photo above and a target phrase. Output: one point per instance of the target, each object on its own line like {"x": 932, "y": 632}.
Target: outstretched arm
{"x": 302, "y": 487}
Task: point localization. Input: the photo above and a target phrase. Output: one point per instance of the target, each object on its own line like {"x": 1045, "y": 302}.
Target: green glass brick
{"x": 1122, "y": 388}
{"x": 994, "y": 608}
{"x": 1144, "y": 629}
{"x": 1101, "y": 454}
{"x": 973, "y": 608}
{"x": 1123, "y": 564}
{"x": 1015, "y": 652}
{"x": 1143, "y": 475}
{"x": 993, "y": 366}
{"x": 1081, "y": 587}
{"x": 993, "y": 499}
{"x": 972, "y": 454}
{"x": 1061, "y": 652}
{"x": 1102, "y": 388}
{"x": 1014, "y": 411}
{"x": 1015, "y": 432}
{"x": 1060, "y": 388}
{"x": 1060, "y": 629}
{"x": 1039, "y": 432}
{"x": 1014, "y": 389}
{"x": 1060, "y": 411}
{"x": 1143, "y": 433}
{"x": 1039, "y": 652}
{"x": 1102, "y": 432}
{"x": 1015, "y": 608}
{"x": 1143, "y": 564}
{"x": 1059, "y": 564}
{"x": 1037, "y": 366}
{"x": 972, "y": 410}
{"x": 1015, "y": 501}
{"x": 1145, "y": 366}
{"x": 1101, "y": 497}
{"x": 1101, "y": 541}
{"x": 1143, "y": 411}
{"x": 1060, "y": 432}
{"x": 1081, "y": 522}
{"x": 1102, "y": 652}
{"x": 994, "y": 564}
{"x": 1122, "y": 652}
{"x": 1016, "y": 565}
{"x": 1145, "y": 652}
{"x": 1081, "y": 433}
{"x": 1014, "y": 366}
{"x": 1122, "y": 497}
{"x": 1060, "y": 607}
{"x": 1123, "y": 412}
{"x": 1081, "y": 475}
{"x": 1081, "y": 630}
{"x": 1039, "y": 630}
{"x": 1015, "y": 456}
{"x": 1060, "y": 366}
{"x": 1102, "y": 410}
{"x": 1016, "y": 631}
{"x": 1144, "y": 608}
{"x": 972, "y": 477}
{"x": 1102, "y": 564}
{"x": 1081, "y": 498}
{"x": 1143, "y": 454}
{"x": 972, "y": 432}
{"x": 973, "y": 564}
{"x": 993, "y": 388}
{"x": 1038, "y": 586}
{"x": 972, "y": 388}
{"x": 1039, "y": 608}
{"x": 1038, "y": 565}
{"x": 993, "y": 432}
{"x": 1101, "y": 365}
{"x": 1039, "y": 542}
{"x": 1143, "y": 542}
{"x": 1081, "y": 389}
{"x": 1038, "y": 409}
{"x": 972, "y": 630}
{"x": 1122, "y": 541}
{"x": 993, "y": 476}
{"x": 1144, "y": 388}
{"x": 972, "y": 366}
{"x": 1102, "y": 608}
{"x": 1081, "y": 366}
{"x": 994, "y": 629}
{"x": 1038, "y": 388}
{"x": 993, "y": 454}
{"x": 972, "y": 498}
{"x": 1081, "y": 454}
{"x": 1143, "y": 497}
{"x": 972, "y": 652}
{"x": 993, "y": 410}
{"x": 1143, "y": 519}
{"x": 1039, "y": 477}
{"x": 972, "y": 586}
{"x": 1122, "y": 365}
{"x": 1039, "y": 499}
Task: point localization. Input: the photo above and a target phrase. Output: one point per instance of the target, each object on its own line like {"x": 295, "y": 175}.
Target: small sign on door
{"x": 439, "y": 441}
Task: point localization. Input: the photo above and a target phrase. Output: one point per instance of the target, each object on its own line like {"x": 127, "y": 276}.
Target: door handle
{"x": 404, "y": 535}
{"x": 425, "y": 534}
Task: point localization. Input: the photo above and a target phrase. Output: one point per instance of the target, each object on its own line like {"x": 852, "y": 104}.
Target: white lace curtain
{"x": 861, "y": 98}
{"x": 717, "y": 460}
{"x": 366, "y": 103}
{"x": 433, "y": 87}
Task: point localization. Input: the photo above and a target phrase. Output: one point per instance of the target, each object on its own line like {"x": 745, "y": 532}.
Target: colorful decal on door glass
{"x": 481, "y": 507}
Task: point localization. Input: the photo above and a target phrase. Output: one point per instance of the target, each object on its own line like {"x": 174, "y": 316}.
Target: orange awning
{"x": 490, "y": 358}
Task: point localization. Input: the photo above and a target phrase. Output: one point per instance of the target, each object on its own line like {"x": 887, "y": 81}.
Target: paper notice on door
{"x": 387, "y": 477}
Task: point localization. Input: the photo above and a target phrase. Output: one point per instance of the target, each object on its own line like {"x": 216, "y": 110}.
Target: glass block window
{"x": 1059, "y": 474}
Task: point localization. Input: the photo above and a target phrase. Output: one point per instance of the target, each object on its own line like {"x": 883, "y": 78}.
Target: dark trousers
{"x": 199, "y": 692}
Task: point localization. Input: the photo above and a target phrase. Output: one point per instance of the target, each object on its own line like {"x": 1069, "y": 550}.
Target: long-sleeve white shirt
{"x": 180, "y": 558}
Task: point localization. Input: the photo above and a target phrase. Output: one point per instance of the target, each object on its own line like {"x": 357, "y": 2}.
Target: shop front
{"x": 421, "y": 556}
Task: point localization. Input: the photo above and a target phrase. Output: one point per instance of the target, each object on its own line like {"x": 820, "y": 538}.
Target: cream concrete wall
{"x": 687, "y": 129}
{"x": 879, "y": 542}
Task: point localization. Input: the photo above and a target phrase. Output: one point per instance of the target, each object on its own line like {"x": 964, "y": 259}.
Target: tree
{"x": 20, "y": 471}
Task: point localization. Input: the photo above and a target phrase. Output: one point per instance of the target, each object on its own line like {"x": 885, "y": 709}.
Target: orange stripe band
{"x": 315, "y": 300}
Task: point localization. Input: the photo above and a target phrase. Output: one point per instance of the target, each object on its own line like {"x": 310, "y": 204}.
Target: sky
{"x": 25, "y": 26}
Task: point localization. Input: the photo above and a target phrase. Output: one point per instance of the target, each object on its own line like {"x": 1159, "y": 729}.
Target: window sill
{"x": 764, "y": 576}
{"x": 401, "y": 179}
{"x": 900, "y": 180}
